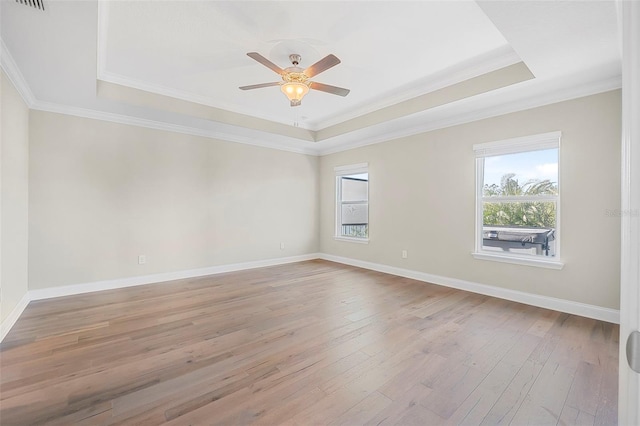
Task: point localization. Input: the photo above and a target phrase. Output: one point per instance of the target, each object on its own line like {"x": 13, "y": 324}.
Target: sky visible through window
{"x": 363, "y": 176}
{"x": 526, "y": 166}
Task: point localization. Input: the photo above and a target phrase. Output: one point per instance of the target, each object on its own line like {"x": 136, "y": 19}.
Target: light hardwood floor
{"x": 308, "y": 343}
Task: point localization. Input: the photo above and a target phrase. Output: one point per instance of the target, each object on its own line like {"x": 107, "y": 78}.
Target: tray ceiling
{"x": 181, "y": 62}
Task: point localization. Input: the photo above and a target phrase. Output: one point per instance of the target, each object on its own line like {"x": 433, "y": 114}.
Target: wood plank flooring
{"x": 302, "y": 344}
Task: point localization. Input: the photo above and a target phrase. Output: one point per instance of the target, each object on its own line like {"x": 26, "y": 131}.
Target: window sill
{"x": 352, "y": 239}
{"x": 517, "y": 260}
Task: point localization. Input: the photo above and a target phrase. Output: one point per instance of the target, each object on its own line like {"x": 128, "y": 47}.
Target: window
{"x": 352, "y": 203}
{"x": 518, "y": 200}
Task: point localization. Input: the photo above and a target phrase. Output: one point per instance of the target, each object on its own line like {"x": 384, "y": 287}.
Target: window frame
{"x": 339, "y": 172}
{"x": 524, "y": 144}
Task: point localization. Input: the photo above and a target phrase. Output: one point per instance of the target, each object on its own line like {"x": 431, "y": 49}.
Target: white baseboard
{"x": 11, "y": 319}
{"x": 567, "y": 306}
{"x": 69, "y": 290}
{"x": 570, "y": 307}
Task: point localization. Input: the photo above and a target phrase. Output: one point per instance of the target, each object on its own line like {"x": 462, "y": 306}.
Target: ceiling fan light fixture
{"x": 295, "y": 80}
{"x": 294, "y": 91}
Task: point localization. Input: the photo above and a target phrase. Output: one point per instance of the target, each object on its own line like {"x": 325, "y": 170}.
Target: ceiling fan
{"x": 295, "y": 80}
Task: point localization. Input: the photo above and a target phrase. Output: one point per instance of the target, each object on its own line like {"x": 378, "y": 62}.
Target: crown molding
{"x": 15, "y": 76}
{"x": 417, "y": 123}
{"x": 255, "y": 138}
{"x": 261, "y": 140}
{"x": 395, "y": 129}
{"x": 474, "y": 67}
{"x": 158, "y": 89}
{"x": 243, "y": 136}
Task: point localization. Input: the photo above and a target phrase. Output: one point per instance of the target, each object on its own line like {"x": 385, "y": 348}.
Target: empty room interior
{"x": 319, "y": 212}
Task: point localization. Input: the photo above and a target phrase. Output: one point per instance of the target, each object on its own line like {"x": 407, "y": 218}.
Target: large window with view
{"x": 352, "y": 202}
{"x": 518, "y": 200}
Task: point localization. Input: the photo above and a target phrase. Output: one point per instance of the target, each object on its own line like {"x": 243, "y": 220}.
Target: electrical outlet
{"x": 281, "y": 246}
{"x": 404, "y": 254}
{"x": 142, "y": 259}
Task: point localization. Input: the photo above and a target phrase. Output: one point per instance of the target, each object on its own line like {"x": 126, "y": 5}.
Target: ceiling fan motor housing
{"x": 295, "y": 59}
{"x": 295, "y": 80}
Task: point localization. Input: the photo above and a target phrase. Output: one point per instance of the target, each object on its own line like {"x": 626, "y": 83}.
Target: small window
{"x": 352, "y": 202}
{"x": 518, "y": 199}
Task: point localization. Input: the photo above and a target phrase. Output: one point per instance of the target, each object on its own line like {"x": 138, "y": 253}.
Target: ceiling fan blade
{"x": 258, "y": 86}
{"x": 264, "y": 61}
{"x": 330, "y": 89}
{"x": 322, "y": 65}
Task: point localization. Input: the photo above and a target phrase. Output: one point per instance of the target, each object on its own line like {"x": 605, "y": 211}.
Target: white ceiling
{"x": 199, "y": 50}
{"x": 391, "y": 52}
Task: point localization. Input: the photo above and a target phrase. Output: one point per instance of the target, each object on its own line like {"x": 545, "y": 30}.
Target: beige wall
{"x": 103, "y": 193}
{"x": 14, "y": 170}
{"x": 421, "y": 192}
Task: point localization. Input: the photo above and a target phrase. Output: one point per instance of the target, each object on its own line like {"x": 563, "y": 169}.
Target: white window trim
{"x": 538, "y": 142}
{"x": 352, "y": 169}
{"x": 351, "y": 239}
{"x": 519, "y": 260}
{"x": 345, "y": 171}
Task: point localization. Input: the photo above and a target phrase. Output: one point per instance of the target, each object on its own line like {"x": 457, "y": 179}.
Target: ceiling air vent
{"x": 37, "y": 4}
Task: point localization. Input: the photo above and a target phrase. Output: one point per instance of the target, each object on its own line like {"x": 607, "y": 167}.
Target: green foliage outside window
{"x": 538, "y": 214}
{"x": 359, "y": 231}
